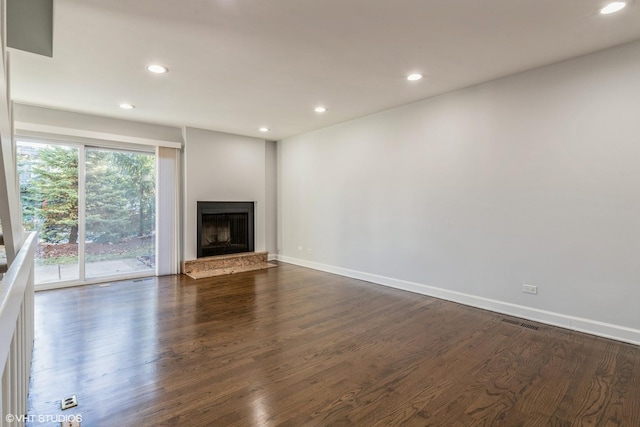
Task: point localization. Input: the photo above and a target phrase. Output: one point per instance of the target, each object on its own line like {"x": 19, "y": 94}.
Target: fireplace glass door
{"x": 224, "y": 234}
{"x": 225, "y": 228}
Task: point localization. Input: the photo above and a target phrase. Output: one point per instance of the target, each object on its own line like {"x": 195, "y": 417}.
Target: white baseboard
{"x": 272, "y": 257}
{"x": 594, "y": 327}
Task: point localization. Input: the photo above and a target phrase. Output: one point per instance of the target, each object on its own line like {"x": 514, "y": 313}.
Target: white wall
{"x": 534, "y": 178}
{"x": 89, "y": 122}
{"x": 223, "y": 167}
{"x": 271, "y": 193}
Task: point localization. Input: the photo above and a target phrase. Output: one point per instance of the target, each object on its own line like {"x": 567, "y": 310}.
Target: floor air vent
{"x": 524, "y": 325}
{"x": 69, "y": 402}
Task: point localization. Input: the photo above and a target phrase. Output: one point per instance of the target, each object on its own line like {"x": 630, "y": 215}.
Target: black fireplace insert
{"x": 225, "y": 228}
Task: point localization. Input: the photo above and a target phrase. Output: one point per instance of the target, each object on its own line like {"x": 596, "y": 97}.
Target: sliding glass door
{"x": 119, "y": 212}
{"x": 49, "y": 194}
{"x": 93, "y": 209}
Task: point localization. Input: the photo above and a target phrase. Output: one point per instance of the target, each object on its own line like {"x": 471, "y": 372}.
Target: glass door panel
{"x": 119, "y": 212}
{"x": 48, "y": 176}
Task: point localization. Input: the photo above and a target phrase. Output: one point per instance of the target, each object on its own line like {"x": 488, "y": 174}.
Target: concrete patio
{"x": 68, "y": 272}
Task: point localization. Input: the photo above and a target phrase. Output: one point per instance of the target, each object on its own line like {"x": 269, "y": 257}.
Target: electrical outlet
{"x": 529, "y": 289}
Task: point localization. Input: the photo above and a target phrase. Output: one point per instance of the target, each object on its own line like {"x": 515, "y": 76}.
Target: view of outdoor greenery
{"x": 50, "y": 197}
{"x": 120, "y": 195}
{"x": 119, "y": 208}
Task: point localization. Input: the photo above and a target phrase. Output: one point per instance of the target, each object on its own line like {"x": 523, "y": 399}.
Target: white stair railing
{"x": 16, "y": 334}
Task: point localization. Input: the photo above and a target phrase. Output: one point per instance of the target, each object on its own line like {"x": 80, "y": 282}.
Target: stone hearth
{"x": 226, "y": 264}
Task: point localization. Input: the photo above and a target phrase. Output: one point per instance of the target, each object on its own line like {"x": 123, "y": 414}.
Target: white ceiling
{"x": 237, "y": 65}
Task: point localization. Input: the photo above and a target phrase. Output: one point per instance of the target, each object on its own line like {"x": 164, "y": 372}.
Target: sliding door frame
{"x": 82, "y": 208}
{"x": 82, "y": 197}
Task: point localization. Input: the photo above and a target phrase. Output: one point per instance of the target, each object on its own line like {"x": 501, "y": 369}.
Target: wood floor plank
{"x": 290, "y": 346}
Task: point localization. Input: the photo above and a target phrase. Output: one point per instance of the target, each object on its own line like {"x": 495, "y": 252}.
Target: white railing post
{"x": 16, "y": 334}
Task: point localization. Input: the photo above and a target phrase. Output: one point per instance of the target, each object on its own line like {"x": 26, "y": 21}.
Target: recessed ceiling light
{"x": 320, "y": 109}
{"x": 126, "y": 106}
{"x": 264, "y": 129}
{"x": 613, "y": 7}
{"x": 413, "y": 77}
{"x": 158, "y": 69}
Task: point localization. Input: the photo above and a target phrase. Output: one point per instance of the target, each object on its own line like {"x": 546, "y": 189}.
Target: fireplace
{"x": 225, "y": 228}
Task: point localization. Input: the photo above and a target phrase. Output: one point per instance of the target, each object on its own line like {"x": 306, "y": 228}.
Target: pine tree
{"x": 120, "y": 193}
{"x": 106, "y": 199}
{"x": 29, "y": 197}
{"x": 55, "y": 182}
{"x": 140, "y": 171}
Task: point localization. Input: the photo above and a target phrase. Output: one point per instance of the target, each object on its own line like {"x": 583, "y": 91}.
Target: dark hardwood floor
{"x": 297, "y": 347}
